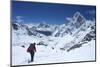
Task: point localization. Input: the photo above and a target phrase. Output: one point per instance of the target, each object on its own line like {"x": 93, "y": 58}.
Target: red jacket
{"x": 31, "y": 48}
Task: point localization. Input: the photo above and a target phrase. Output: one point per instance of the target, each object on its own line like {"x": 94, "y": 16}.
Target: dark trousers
{"x": 32, "y": 56}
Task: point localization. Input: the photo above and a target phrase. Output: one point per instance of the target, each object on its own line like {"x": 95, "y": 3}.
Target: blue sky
{"x": 35, "y": 12}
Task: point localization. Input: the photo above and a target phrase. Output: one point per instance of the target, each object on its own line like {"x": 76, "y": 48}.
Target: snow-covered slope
{"x": 45, "y": 54}
{"x": 74, "y": 41}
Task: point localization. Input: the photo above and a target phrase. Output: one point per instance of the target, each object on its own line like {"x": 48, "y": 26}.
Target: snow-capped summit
{"x": 73, "y": 25}
{"x": 77, "y": 20}
{"x": 43, "y": 24}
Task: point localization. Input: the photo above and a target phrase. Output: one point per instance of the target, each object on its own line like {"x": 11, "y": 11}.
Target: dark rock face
{"x": 76, "y": 46}
{"x": 44, "y": 25}
{"x": 47, "y": 33}
{"x": 57, "y": 34}
{"x": 88, "y": 37}
{"x": 91, "y": 35}
{"x": 78, "y": 20}
{"x": 42, "y": 43}
{"x": 29, "y": 32}
{"x": 15, "y": 26}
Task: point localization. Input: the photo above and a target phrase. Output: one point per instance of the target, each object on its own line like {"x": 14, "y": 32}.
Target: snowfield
{"x": 70, "y": 42}
{"x": 46, "y": 54}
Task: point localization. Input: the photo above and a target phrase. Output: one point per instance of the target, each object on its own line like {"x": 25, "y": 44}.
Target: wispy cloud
{"x": 68, "y": 18}
{"x": 19, "y": 19}
{"x": 92, "y": 12}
